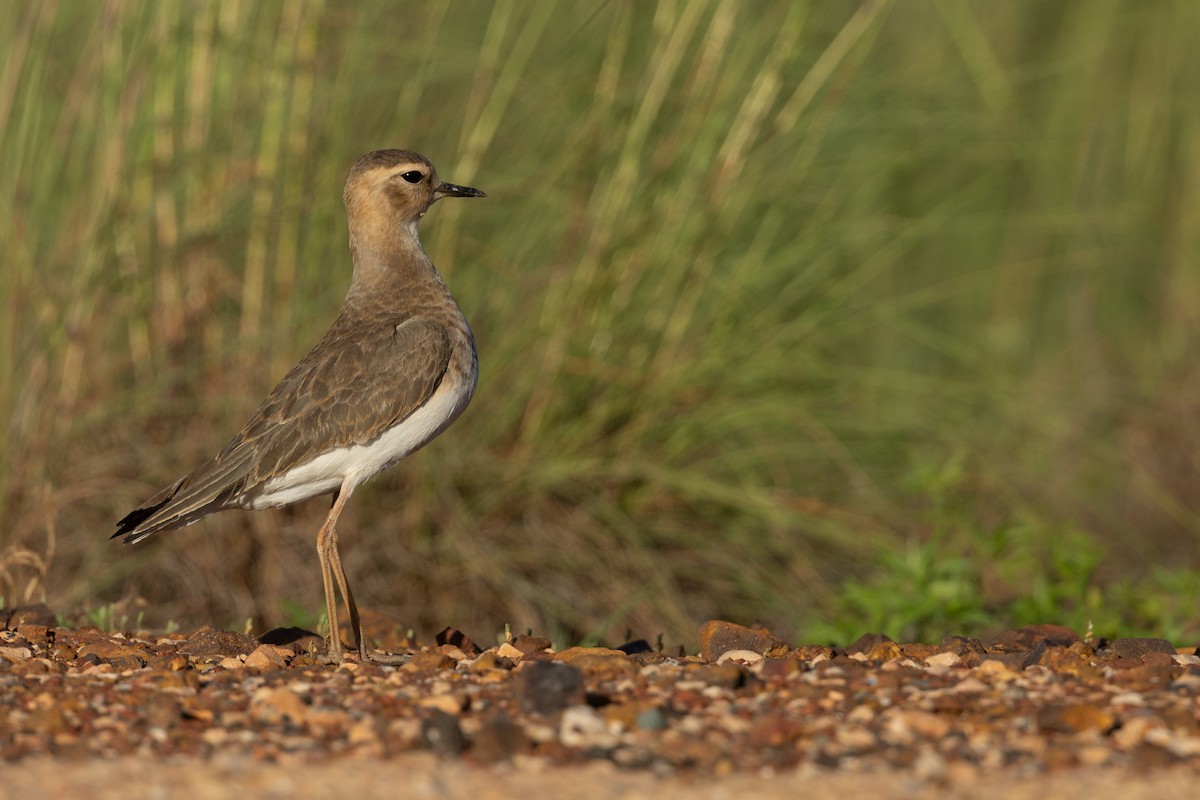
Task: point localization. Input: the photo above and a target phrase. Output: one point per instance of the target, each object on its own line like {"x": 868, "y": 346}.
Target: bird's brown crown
{"x": 396, "y": 185}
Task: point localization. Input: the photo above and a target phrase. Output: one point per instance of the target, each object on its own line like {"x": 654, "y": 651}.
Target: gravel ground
{"x": 210, "y": 712}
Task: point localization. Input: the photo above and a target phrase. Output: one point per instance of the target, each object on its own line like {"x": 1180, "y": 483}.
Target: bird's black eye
{"x": 412, "y": 176}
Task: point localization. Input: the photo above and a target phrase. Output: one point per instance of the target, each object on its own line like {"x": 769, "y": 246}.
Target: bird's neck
{"x": 393, "y": 270}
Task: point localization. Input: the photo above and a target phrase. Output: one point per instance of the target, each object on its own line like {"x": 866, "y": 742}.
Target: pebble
{"x": 944, "y": 715}
{"x": 1074, "y": 717}
{"x": 506, "y": 650}
{"x": 651, "y": 719}
{"x": 548, "y": 687}
{"x": 582, "y": 727}
{"x": 1139, "y": 647}
{"x": 266, "y": 657}
{"x": 442, "y": 734}
{"x": 948, "y": 659}
{"x": 718, "y": 637}
{"x": 270, "y": 704}
{"x": 744, "y": 657}
{"x": 499, "y": 739}
{"x": 16, "y": 653}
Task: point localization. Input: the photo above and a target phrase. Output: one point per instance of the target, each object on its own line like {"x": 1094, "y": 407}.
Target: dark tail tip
{"x": 128, "y": 526}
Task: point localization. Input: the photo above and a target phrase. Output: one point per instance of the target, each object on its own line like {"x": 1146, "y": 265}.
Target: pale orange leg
{"x": 339, "y": 574}
{"x": 331, "y": 567}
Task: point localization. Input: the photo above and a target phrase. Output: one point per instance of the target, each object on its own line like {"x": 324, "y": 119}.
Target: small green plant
{"x": 918, "y": 592}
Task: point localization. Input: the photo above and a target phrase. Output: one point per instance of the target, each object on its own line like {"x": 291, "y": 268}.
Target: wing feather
{"x": 363, "y": 377}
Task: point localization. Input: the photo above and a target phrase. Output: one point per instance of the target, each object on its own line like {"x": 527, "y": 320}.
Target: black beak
{"x": 452, "y": 190}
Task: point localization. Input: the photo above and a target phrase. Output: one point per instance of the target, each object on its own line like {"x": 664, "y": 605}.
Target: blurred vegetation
{"x": 832, "y": 316}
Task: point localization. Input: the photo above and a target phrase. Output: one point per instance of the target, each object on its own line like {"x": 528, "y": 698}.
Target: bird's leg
{"x": 327, "y": 554}
{"x": 339, "y": 574}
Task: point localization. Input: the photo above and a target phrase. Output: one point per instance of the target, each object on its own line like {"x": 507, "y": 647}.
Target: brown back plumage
{"x": 398, "y": 336}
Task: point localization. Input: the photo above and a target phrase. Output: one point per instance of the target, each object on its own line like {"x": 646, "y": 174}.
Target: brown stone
{"x": 1145, "y": 676}
{"x": 1073, "y": 718}
{"x": 597, "y": 661}
{"x": 919, "y": 652}
{"x": 488, "y": 660}
{"x": 121, "y": 656}
{"x": 1011, "y": 661}
{"x": 428, "y": 660}
{"x": 1070, "y": 662}
{"x": 727, "y": 675}
{"x": 499, "y": 740}
{"x": 868, "y": 642}
{"x": 34, "y": 614}
{"x": 780, "y": 667}
{"x": 1051, "y": 634}
{"x": 271, "y": 704}
{"x": 718, "y": 637}
{"x": 773, "y": 729}
{"x": 572, "y": 654}
{"x": 962, "y": 645}
{"x": 529, "y": 645}
{"x": 33, "y": 633}
{"x": 1136, "y": 647}
{"x": 441, "y": 733}
{"x": 217, "y": 643}
{"x": 808, "y": 652}
{"x": 15, "y": 653}
{"x": 162, "y": 711}
{"x": 267, "y": 656}
{"x": 1027, "y": 638}
{"x": 885, "y": 651}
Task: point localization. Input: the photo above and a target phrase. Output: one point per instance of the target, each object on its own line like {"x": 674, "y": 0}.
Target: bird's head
{"x": 388, "y": 191}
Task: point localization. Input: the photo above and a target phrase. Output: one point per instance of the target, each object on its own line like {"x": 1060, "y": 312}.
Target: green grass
{"x": 742, "y": 276}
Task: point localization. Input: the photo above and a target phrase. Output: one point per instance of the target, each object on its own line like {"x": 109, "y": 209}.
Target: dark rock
{"x": 455, "y": 637}
{"x": 547, "y": 687}
{"x": 636, "y": 646}
{"x": 1139, "y": 647}
{"x": 441, "y": 733}
{"x": 298, "y": 640}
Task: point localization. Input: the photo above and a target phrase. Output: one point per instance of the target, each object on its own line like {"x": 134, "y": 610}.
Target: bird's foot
{"x": 389, "y": 659}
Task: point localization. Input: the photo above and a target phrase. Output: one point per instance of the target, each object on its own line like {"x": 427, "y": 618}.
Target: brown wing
{"x": 359, "y": 380}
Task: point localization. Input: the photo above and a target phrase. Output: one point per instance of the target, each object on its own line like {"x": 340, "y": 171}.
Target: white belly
{"x": 359, "y": 462}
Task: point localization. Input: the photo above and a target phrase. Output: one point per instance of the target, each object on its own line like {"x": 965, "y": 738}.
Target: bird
{"x": 395, "y": 369}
